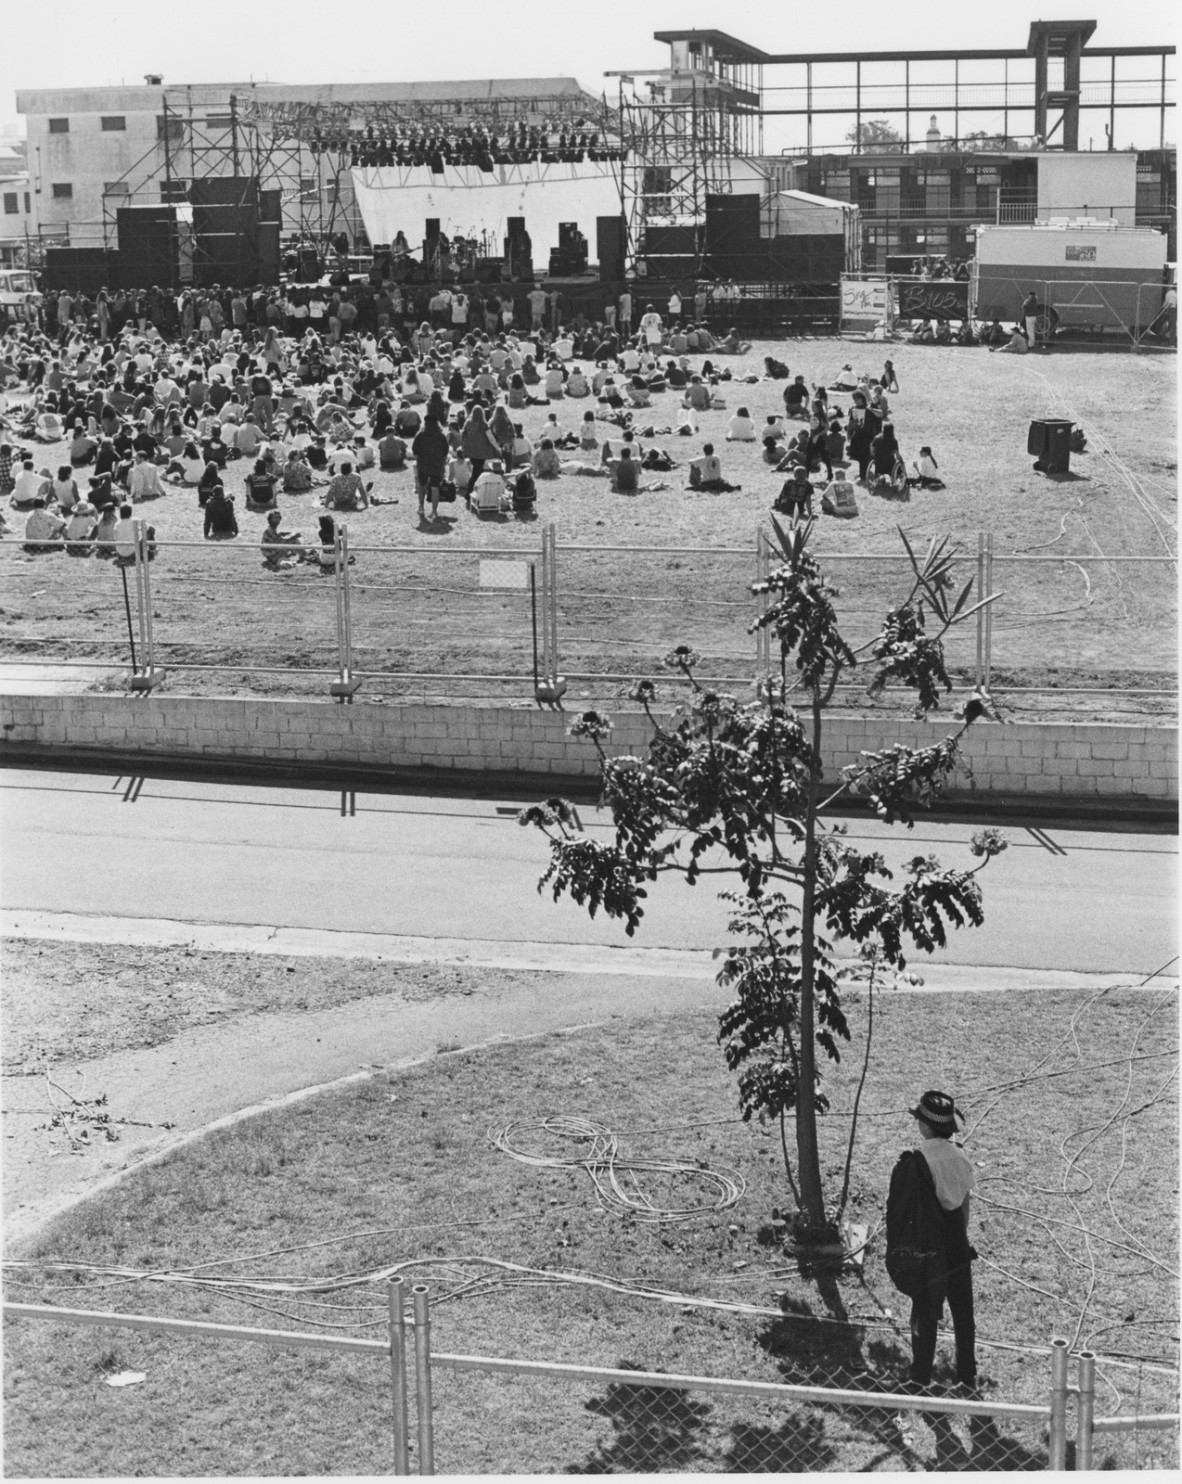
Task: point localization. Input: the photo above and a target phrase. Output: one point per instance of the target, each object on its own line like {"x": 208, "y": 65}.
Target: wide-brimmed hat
{"x": 938, "y": 1110}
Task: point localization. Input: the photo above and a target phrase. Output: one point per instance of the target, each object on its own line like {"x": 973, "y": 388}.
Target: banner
{"x": 937, "y": 298}
{"x": 864, "y": 299}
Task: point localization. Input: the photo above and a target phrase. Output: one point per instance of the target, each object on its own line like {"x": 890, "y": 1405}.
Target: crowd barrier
{"x": 542, "y": 618}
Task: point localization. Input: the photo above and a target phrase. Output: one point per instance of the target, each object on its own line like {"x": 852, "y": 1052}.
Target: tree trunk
{"x": 808, "y": 1161}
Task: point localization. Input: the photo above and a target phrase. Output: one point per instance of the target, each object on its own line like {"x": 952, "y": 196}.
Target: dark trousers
{"x": 925, "y": 1316}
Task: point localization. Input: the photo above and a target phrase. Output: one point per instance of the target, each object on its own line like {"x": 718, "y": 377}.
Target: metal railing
{"x": 503, "y": 621}
{"x": 589, "y": 1418}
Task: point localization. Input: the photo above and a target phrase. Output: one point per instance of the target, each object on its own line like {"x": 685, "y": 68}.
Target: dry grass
{"x": 401, "y": 1170}
{"x": 1060, "y": 624}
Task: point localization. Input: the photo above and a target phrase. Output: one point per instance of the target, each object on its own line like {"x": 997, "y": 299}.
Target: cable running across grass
{"x": 609, "y": 1172}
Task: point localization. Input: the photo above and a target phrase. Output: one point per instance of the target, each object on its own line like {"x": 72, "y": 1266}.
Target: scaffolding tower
{"x": 683, "y": 128}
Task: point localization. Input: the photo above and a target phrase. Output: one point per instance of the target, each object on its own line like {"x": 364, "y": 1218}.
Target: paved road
{"x": 449, "y": 868}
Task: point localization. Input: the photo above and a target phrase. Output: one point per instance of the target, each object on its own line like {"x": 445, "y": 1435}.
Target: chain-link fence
{"x": 457, "y": 1413}
{"x": 509, "y": 1417}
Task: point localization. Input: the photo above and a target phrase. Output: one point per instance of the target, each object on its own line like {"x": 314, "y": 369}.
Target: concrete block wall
{"x": 1102, "y": 761}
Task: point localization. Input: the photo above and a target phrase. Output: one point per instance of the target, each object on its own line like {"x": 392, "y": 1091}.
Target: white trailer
{"x": 1093, "y": 275}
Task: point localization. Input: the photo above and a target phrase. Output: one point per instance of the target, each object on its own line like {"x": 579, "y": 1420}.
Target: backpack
{"x": 915, "y": 1255}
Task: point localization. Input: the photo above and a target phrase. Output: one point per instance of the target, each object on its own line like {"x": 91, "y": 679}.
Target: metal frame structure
{"x": 681, "y": 128}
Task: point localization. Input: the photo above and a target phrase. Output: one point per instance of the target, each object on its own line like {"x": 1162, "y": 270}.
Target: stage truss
{"x": 681, "y": 135}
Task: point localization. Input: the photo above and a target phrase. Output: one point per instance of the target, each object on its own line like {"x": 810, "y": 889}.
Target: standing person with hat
{"x": 954, "y": 1176}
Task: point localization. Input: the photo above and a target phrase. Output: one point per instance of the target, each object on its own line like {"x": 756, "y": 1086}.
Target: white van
{"x": 18, "y": 287}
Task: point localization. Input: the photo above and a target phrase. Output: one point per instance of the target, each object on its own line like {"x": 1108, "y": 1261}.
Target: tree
{"x": 737, "y": 791}
{"x": 872, "y": 132}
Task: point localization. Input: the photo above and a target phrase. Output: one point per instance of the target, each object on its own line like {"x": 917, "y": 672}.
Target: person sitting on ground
{"x": 221, "y": 519}
{"x": 706, "y": 473}
{"x": 775, "y": 370}
{"x": 740, "y": 429}
{"x": 297, "y": 473}
{"x": 488, "y": 490}
{"x": 392, "y": 452}
{"x": 82, "y": 447}
{"x": 624, "y": 473}
{"x": 834, "y": 443}
{"x": 577, "y": 384}
{"x": 845, "y": 380}
{"x": 588, "y": 434}
{"x": 731, "y": 345}
{"x": 839, "y": 498}
{"x": 326, "y": 552}
{"x": 547, "y": 461}
{"x": 64, "y": 490}
{"x": 260, "y": 487}
{"x": 80, "y": 529}
{"x": 638, "y": 392}
{"x": 1016, "y": 345}
{"x": 889, "y": 381}
{"x": 796, "y": 398}
{"x": 281, "y": 549}
{"x": 27, "y": 490}
{"x": 521, "y": 450}
{"x": 44, "y": 529}
{"x": 143, "y": 481}
{"x": 773, "y": 451}
{"x": 104, "y": 531}
{"x": 796, "y": 495}
{"x": 927, "y": 476}
{"x": 697, "y": 395}
{"x": 346, "y": 491}
{"x": 248, "y": 438}
{"x": 362, "y": 453}
{"x": 188, "y": 466}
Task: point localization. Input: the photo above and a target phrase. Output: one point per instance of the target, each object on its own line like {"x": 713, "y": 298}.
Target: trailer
{"x": 1087, "y": 275}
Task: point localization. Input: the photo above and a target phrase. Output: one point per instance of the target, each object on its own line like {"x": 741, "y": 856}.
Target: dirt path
{"x": 180, "y": 1039}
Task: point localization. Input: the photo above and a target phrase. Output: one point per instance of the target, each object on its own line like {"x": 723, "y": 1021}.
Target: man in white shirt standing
{"x": 954, "y": 1177}
{"x": 650, "y": 326}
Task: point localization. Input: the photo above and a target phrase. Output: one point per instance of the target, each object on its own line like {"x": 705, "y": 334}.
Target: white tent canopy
{"x": 799, "y": 214}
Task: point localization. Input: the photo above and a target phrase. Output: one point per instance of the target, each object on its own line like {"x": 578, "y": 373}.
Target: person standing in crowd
{"x": 1030, "y": 318}
{"x": 625, "y": 308}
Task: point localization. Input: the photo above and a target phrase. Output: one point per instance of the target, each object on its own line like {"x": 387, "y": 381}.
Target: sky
{"x": 77, "y": 43}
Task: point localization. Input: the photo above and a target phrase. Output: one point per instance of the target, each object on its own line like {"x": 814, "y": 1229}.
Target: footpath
{"x": 211, "y": 1076}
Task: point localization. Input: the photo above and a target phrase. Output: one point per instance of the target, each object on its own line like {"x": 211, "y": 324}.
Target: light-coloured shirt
{"x": 952, "y": 1171}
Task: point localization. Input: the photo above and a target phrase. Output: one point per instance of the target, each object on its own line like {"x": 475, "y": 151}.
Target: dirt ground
{"x": 1079, "y": 618}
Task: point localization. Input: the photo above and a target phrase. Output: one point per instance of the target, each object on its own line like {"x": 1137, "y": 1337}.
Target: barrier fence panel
{"x": 88, "y": 626}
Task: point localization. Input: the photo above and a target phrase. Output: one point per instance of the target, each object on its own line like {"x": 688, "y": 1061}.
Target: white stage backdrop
{"x": 468, "y": 201}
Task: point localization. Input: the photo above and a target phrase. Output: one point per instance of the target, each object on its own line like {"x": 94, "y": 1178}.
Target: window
{"x": 308, "y": 183}
{"x": 113, "y": 123}
{"x": 220, "y": 121}
{"x": 170, "y": 128}
{"x": 59, "y": 126}
{"x": 28, "y": 207}
{"x": 63, "y": 192}
{"x": 11, "y": 204}
{"x": 116, "y": 188}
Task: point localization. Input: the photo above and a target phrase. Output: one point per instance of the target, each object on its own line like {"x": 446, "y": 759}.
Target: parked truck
{"x": 1086, "y": 275}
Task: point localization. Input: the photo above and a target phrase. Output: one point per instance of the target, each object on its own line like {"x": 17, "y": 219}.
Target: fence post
{"x": 1057, "y": 1441}
{"x": 989, "y": 610}
{"x": 148, "y": 676}
{"x": 1085, "y": 1410}
{"x": 762, "y": 564}
{"x": 344, "y": 687}
{"x": 979, "y": 679}
{"x": 423, "y": 1379}
{"x": 394, "y": 1292}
